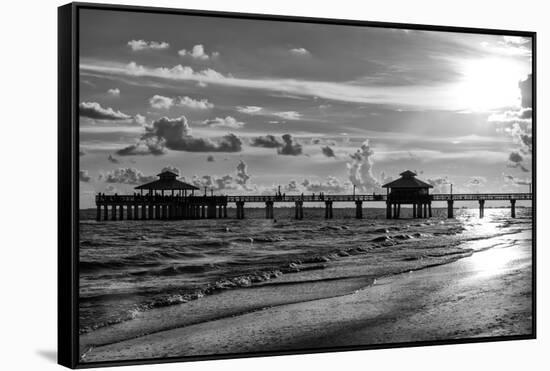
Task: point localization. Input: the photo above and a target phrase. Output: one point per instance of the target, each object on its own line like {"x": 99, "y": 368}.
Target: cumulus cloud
{"x": 299, "y": 51}
{"x": 138, "y": 45}
{"x": 194, "y": 103}
{"x": 518, "y": 125}
{"x": 290, "y": 146}
{"x": 266, "y": 141}
{"x": 94, "y": 111}
{"x": 249, "y": 109}
{"x": 331, "y": 185}
{"x": 288, "y": 115}
{"x": 175, "y": 134}
{"x": 128, "y": 175}
{"x": 161, "y": 102}
{"x": 515, "y": 160}
{"x": 83, "y": 176}
{"x": 360, "y": 169}
{"x": 114, "y": 92}
{"x": 227, "y": 122}
{"x": 440, "y": 184}
{"x": 327, "y": 151}
{"x": 113, "y": 160}
{"x": 198, "y": 52}
{"x": 238, "y": 181}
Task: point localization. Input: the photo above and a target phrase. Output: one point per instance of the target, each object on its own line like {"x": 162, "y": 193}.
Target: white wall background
{"x": 28, "y": 209}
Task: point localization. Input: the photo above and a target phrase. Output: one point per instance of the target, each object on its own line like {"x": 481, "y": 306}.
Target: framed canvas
{"x": 237, "y": 185}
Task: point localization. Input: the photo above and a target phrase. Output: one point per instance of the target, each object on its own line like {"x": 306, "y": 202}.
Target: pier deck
{"x": 199, "y": 207}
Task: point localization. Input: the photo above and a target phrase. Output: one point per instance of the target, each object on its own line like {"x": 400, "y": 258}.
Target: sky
{"x": 244, "y": 106}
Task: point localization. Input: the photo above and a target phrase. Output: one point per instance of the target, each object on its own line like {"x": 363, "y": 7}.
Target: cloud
{"x": 161, "y": 102}
{"x": 249, "y": 109}
{"x": 331, "y": 185}
{"x": 94, "y": 111}
{"x": 440, "y": 184}
{"x": 113, "y": 160}
{"x": 114, "y": 92}
{"x": 198, "y": 53}
{"x": 299, "y": 51}
{"x": 327, "y": 151}
{"x": 290, "y": 146}
{"x": 227, "y": 122}
{"x": 138, "y": 45}
{"x": 518, "y": 124}
{"x": 128, "y": 175}
{"x": 83, "y": 176}
{"x": 288, "y": 115}
{"x": 476, "y": 182}
{"x": 145, "y": 146}
{"x": 510, "y": 179}
{"x": 175, "y": 134}
{"x": 239, "y": 181}
{"x": 193, "y": 103}
{"x": 210, "y": 158}
{"x": 266, "y": 141}
{"x": 360, "y": 169}
{"x": 515, "y": 161}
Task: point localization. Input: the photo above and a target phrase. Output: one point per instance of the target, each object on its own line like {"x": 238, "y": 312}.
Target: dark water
{"x": 131, "y": 266}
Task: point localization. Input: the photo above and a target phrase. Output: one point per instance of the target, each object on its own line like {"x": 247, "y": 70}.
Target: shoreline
{"x": 266, "y": 325}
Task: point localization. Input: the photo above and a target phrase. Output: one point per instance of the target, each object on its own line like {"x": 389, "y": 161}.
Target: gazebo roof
{"x": 407, "y": 180}
{"x": 167, "y": 181}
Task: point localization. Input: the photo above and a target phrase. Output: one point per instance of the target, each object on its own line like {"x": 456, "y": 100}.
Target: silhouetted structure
{"x": 179, "y": 204}
{"x": 408, "y": 190}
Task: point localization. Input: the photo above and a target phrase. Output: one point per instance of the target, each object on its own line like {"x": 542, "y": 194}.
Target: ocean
{"x": 129, "y": 267}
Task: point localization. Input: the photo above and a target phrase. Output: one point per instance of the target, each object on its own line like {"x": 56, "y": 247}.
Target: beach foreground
{"x": 486, "y": 294}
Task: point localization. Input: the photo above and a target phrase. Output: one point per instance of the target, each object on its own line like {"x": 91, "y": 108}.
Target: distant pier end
{"x": 170, "y": 198}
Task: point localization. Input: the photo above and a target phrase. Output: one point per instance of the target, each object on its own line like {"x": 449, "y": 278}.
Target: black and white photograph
{"x": 252, "y": 186}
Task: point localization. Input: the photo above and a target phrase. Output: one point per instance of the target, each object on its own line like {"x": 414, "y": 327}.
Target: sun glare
{"x": 490, "y": 83}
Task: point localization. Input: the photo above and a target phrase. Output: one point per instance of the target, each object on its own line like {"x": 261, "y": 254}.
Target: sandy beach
{"x": 486, "y": 294}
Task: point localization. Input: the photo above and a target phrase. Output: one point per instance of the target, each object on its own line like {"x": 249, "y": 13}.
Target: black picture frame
{"x": 68, "y": 185}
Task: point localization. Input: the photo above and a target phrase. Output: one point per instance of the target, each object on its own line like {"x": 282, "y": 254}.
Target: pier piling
{"x": 513, "y": 208}
{"x": 359, "y": 209}
{"x": 450, "y": 210}
{"x": 481, "y": 208}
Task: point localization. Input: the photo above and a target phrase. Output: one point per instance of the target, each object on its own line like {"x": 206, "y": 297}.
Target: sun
{"x": 490, "y": 83}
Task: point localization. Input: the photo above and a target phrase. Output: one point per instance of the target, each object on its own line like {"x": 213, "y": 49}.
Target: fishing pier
{"x": 170, "y": 199}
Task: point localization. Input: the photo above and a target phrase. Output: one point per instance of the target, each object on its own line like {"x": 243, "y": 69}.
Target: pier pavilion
{"x": 167, "y": 182}
{"x": 408, "y": 190}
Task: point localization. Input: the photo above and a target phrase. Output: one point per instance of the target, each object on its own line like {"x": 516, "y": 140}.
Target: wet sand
{"x": 486, "y": 294}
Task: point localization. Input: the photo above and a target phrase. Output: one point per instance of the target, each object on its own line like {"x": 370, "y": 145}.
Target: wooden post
{"x": 129, "y": 214}
{"x": 121, "y": 212}
{"x": 136, "y": 211}
{"x": 481, "y": 208}
{"x": 414, "y": 210}
{"x": 513, "y": 208}
{"x": 430, "y": 209}
{"x": 143, "y": 211}
{"x": 398, "y": 210}
{"x": 425, "y": 210}
{"x": 359, "y": 209}
{"x": 269, "y": 209}
{"x": 299, "y": 211}
{"x": 225, "y": 211}
{"x": 105, "y": 212}
{"x": 450, "y": 210}
{"x": 388, "y": 210}
{"x": 113, "y": 212}
{"x": 98, "y": 213}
